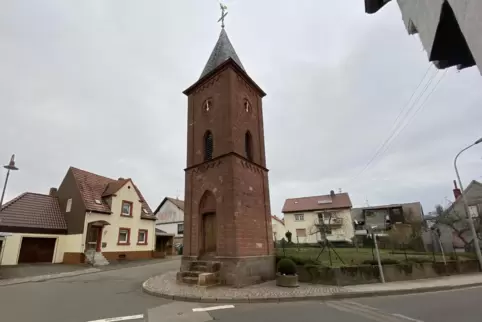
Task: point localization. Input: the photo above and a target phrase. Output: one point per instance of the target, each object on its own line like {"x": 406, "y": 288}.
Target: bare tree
{"x": 320, "y": 227}
{"x": 458, "y": 223}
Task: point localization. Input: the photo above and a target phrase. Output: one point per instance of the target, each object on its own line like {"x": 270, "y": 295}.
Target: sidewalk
{"x": 41, "y": 273}
{"x": 165, "y": 286}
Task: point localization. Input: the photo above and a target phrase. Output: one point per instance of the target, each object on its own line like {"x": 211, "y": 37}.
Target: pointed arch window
{"x": 247, "y": 106}
{"x": 207, "y": 105}
{"x": 248, "y": 145}
{"x": 208, "y": 146}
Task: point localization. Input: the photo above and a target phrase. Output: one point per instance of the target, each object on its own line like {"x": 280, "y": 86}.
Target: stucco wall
{"x": 168, "y": 218}
{"x": 171, "y": 228}
{"x": 339, "y": 233}
{"x": 111, "y": 232}
{"x": 64, "y": 243}
{"x": 279, "y": 230}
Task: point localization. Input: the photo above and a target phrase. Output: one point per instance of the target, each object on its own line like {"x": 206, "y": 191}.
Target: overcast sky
{"x": 98, "y": 85}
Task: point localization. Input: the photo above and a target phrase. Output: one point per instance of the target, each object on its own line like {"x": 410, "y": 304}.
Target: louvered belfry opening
{"x": 208, "y": 146}
{"x": 248, "y": 145}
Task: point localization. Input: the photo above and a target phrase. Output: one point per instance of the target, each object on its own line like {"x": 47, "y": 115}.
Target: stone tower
{"x": 227, "y": 217}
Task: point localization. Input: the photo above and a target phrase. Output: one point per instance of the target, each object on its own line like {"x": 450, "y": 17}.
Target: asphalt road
{"x": 448, "y": 306}
{"x": 117, "y": 293}
{"x": 83, "y": 298}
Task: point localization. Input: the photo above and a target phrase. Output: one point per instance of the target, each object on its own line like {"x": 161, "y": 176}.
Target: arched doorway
{"x": 207, "y": 209}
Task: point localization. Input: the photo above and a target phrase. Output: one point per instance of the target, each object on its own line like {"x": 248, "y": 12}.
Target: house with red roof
{"x": 170, "y": 218}
{"x": 304, "y": 217}
{"x": 89, "y": 218}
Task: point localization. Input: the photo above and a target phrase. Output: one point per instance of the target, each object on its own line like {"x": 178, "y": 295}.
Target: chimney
{"x": 332, "y": 193}
{"x": 53, "y": 192}
{"x": 457, "y": 192}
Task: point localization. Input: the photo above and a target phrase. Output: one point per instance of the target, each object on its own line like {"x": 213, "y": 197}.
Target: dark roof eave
{"x": 228, "y": 62}
{"x": 149, "y": 217}
{"x": 317, "y": 209}
{"x": 33, "y": 230}
{"x": 99, "y": 211}
{"x": 159, "y": 207}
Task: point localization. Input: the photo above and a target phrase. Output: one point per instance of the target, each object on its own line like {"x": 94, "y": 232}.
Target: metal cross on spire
{"x": 224, "y": 13}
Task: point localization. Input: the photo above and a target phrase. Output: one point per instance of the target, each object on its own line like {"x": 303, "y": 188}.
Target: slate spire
{"x": 221, "y": 52}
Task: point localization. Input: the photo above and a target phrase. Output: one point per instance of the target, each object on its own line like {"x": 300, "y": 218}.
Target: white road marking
{"x": 406, "y": 317}
{"x": 369, "y": 312}
{"x": 121, "y": 318}
{"x": 212, "y": 308}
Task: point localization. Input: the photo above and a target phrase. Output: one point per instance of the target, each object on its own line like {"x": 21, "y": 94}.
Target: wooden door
{"x": 37, "y": 250}
{"x": 92, "y": 238}
{"x": 209, "y": 231}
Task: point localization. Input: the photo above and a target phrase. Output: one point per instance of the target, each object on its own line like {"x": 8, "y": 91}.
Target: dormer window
{"x": 126, "y": 210}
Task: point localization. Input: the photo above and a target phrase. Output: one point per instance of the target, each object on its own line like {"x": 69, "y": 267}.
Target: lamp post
{"x": 466, "y": 205}
{"x": 10, "y": 167}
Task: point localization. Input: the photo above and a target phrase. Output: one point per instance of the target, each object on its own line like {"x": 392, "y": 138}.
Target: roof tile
{"x": 339, "y": 200}
{"x": 95, "y": 187}
{"x": 33, "y": 210}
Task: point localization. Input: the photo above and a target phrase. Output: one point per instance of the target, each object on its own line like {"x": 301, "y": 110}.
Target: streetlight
{"x": 466, "y": 205}
{"x": 10, "y": 167}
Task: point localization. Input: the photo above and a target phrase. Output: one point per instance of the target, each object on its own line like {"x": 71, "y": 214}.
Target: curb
{"x": 48, "y": 277}
{"x": 334, "y": 296}
{"x": 43, "y": 278}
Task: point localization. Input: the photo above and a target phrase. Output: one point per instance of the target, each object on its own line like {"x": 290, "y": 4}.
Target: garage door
{"x": 37, "y": 250}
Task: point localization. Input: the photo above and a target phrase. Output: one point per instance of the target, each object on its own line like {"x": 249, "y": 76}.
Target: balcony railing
{"x": 330, "y": 222}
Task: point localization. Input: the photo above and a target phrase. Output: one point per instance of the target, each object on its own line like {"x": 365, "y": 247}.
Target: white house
{"x": 170, "y": 218}
{"x": 278, "y": 227}
{"x": 89, "y": 218}
{"x": 303, "y": 217}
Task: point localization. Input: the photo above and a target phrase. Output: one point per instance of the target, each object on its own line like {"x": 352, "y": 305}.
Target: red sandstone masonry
{"x": 239, "y": 186}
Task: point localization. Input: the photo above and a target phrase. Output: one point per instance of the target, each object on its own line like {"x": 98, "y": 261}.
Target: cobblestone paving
{"x": 165, "y": 286}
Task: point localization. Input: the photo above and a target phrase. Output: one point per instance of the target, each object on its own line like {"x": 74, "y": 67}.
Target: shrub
{"x": 286, "y": 267}
{"x": 385, "y": 261}
{"x": 288, "y": 235}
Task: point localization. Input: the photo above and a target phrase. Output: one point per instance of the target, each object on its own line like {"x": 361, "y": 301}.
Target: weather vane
{"x": 224, "y": 13}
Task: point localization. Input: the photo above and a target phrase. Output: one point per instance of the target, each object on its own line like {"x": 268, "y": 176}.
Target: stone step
{"x": 198, "y": 278}
{"x": 204, "y": 266}
{"x": 190, "y": 280}
{"x": 193, "y": 273}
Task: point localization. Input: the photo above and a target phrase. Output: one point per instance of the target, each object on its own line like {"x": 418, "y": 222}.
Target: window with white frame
{"x": 124, "y": 236}
{"x": 180, "y": 229}
{"x": 126, "y": 208}
{"x": 68, "y": 208}
{"x": 142, "y": 237}
{"x": 301, "y": 232}
{"x": 473, "y": 211}
{"x": 299, "y": 217}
